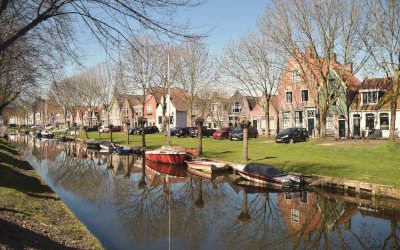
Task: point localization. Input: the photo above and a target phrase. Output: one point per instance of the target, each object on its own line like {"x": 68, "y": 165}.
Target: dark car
{"x": 151, "y": 130}
{"x": 174, "y": 130}
{"x": 237, "y": 133}
{"x": 206, "y": 132}
{"x": 91, "y": 128}
{"x": 184, "y": 132}
{"x": 291, "y": 135}
{"x": 222, "y": 134}
{"x": 137, "y": 130}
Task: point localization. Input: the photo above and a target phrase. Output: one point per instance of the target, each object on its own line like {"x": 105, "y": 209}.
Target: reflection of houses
{"x": 307, "y": 214}
{"x": 371, "y": 108}
{"x": 298, "y": 94}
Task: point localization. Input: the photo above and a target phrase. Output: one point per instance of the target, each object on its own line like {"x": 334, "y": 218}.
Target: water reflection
{"x": 153, "y": 206}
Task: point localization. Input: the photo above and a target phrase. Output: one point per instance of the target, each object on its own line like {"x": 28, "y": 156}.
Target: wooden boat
{"x": 207, "y": 166}
{"x": 202, "y": 174}
{"x": 105, "y": 145}
{"x": 172, "y": 170}
{"x": 166, "y": 155}
{"x": 268, "y": 175}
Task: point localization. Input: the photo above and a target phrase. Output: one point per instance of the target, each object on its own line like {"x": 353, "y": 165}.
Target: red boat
{"x": 167, "y": 169}
{"x": 169, "y": 156}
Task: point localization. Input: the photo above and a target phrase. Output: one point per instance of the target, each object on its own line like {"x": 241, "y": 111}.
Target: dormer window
{"x": 296, "y": 75}
{"x": 237, "y": 107}
{"x": 214, "y": 107}
{"x": 369, "y": 98}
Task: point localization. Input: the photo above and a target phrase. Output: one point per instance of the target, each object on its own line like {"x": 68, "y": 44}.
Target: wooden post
{"x": 245, "y": 124}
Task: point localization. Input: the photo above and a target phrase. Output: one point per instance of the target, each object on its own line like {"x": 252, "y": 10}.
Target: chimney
{"x": 349, "y": 67}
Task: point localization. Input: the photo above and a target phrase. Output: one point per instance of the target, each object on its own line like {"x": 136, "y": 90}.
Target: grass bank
{"x": 31, "y": 215}
{"x": 371, "y": 161}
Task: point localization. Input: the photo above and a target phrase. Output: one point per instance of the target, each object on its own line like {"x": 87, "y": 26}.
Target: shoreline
{"x": 31, "y": 213}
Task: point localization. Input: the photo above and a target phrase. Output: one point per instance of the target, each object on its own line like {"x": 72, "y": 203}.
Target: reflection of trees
{"x": 256, "y": 226}
{"x": 244, "y": 220}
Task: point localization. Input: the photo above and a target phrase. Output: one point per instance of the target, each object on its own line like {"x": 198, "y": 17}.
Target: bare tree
{"x": 383, "y": 43}
{"x": 255, "y": 65}
{"x": 140, "y": 59}
{"x": 328, "y": 31}
{"x": 196, "y": 72}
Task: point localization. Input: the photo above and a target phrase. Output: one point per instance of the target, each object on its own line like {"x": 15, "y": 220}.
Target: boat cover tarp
{"x": 263, "y": 170}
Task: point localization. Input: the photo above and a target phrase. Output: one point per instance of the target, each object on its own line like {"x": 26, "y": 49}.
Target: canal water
{"x": 130, "y": 204}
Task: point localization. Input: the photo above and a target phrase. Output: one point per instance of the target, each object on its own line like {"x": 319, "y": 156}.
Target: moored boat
{"x": 105, "y": 145}
{"x": 166, "y": 155}
{"x": 207, "y": 166}
{"x": 171, "y": 170}
{"x": 123, "y": 150}
{"x": 46, "y": 135}
{"x": 92, "y": 144}
{"x": 268, "y": 175}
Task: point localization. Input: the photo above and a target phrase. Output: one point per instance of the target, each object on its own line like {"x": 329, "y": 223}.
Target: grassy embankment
{"x": 31, "y": 214}
{"x": 364, "y": 160}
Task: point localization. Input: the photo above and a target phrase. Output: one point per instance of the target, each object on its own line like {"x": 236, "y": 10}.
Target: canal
{"x": 127, "y": 204}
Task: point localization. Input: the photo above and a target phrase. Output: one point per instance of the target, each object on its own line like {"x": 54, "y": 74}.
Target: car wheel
{"x": 291, "y": 141}
{"x": 307, "y": 138}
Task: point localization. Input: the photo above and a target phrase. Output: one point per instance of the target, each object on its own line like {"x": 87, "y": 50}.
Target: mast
{"x": 168, "y": 104}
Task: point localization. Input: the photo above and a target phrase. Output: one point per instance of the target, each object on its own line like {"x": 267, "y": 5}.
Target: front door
{"x": 342, "y": 128}
{"x": 255, "y": 124}
{"x": 356, "y": 125}
{"x": 310, "y": 126}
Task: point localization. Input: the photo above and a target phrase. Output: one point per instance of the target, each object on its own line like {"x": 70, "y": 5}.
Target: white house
{"x": 176, "y": 108}
{"x": 370, "y": 111}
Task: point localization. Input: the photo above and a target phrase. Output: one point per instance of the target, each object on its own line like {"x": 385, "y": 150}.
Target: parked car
{"x": 291, "y": 135}
{"x": 91, "y": 128}
{"x": 49, "y": 127}
{"x": 222, "y": 134}
{"x": 174, "y": 130}
{"x": 206, "y": 132}
{"x": 106, "y": 129}
{"x": 147, "y": 130}
{"x": 237, "y": 133}
{"x": 135, "y": 130}
{"x": 184, "y": 132}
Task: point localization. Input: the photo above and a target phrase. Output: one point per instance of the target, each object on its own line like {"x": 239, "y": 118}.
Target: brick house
{"x": 240, "y": 106}
{"x": 257, "y": 115}
{"x": 298, "y": 96}
{"x": 370, "y": 110}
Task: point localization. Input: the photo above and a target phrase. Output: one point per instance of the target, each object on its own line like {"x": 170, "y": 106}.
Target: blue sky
{"x": 227, "y": 20}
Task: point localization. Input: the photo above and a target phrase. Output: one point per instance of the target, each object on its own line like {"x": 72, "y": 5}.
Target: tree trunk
{"x": 199, "y": 123}
{"x": 143, "y": 135}
{"x": 164, "y": 113}
{"x": 392, "y": 126}
{"x": 322, "y": 123}
{"x": 190, "y": 114}
{"x": 245, "y": 145}
{"x": 266, "y": 113}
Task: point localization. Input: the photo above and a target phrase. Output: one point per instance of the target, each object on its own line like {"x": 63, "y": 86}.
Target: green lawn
{"x": 370, "y": 161}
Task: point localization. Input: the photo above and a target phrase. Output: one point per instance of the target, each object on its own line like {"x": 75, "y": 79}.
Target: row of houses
{"x": 359, "y": 108}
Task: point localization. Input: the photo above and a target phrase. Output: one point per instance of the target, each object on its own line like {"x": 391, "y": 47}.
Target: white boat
{"x": 207, "y": 166}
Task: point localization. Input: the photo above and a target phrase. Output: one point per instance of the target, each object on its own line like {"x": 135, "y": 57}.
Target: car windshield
{"x": 287, "y": 131}
{"x": 238, "y": 129}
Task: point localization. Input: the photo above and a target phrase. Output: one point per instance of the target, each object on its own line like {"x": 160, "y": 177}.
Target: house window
{"x": 149, "y": 109}
{"x": 264, "y": 104}
{"x": 286, "y": 120}
{"x": 370, "y": 121}
{"x": 370, "y": 97}
{"x": 304, "y": 95}
{"x": 214, "y": 107}
{"x": 295, "y": 214}
{"x": 333, "y": 99}
{"x": 298, "y": 118}
{"x": 237, "y": 107}
{"x": 289, "y": 97}
{"x": 384, "y": 121}
{"x": 160, "y": 119}
{"x": 296, "y": 73}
